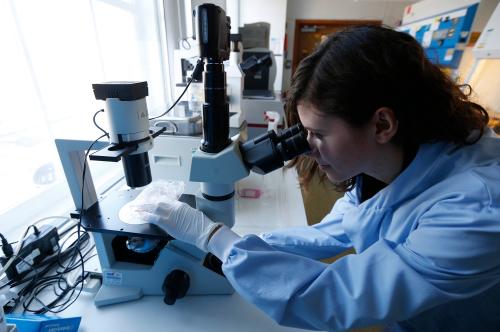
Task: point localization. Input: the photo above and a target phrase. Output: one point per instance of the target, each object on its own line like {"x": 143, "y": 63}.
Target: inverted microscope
{"x": 141, "y": 259}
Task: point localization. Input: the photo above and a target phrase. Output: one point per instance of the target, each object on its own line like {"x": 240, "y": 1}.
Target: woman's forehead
{"x": 310, "y": 111}
{"x": 306, "y": 108}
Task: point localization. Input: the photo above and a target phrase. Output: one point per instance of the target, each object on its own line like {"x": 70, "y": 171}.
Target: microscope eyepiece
{"x": 293, "y": 146}
{"x": 269, "y": 151}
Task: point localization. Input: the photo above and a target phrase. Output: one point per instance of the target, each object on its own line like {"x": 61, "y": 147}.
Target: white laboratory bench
{"x": 279, "y": 205}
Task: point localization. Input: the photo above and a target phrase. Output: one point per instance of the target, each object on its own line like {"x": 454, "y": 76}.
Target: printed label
{"x": 112, "y": 278}
{"x": 449, "y": 54}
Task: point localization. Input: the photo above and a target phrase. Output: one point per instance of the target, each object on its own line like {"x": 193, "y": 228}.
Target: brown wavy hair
{"x": 360, "y": 69}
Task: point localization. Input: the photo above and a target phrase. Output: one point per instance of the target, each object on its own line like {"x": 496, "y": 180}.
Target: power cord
{"x": 76, "y": 251}
{"x": 38, "y": 281}
{"x": 198, "y": 70}
{"x": 15, "y": 253}
{"x": 95, "y": 123}
{"x": 7, "y": 249}
{"x": 63, "y": 288}
{"x": 70, "y": 259}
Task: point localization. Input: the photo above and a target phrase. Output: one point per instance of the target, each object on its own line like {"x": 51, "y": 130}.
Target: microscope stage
{"x": 103, "y": 216}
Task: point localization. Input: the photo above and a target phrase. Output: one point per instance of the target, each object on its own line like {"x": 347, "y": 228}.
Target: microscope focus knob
{"x": 175, "y": 286}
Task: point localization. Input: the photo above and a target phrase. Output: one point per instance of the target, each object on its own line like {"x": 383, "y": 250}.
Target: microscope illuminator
{"x": 130, "y": 135}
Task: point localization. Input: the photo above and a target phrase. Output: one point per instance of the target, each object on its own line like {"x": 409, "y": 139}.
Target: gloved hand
{"x": 182, "y": 222}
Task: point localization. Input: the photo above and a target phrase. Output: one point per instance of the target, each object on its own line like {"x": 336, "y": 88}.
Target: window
{"x": 52, "y": 52}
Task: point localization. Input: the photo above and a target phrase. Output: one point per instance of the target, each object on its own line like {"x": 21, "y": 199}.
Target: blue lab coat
{"x": 428, "y": 252}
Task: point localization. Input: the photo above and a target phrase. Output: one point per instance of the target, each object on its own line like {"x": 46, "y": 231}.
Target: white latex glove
{"x": 182, "y": 222}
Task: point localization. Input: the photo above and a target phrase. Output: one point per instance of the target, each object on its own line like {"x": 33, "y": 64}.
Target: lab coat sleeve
{"x": 322, "y": 240}
{"x": 453, "y": 254}
{"x": 371, "y": 288}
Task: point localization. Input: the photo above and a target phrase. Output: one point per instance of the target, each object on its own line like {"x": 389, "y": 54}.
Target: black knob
{"x": 175, "y": 286}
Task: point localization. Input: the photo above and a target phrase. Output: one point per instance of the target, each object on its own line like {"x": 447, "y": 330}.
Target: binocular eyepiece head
{"x": 269, "y": 151}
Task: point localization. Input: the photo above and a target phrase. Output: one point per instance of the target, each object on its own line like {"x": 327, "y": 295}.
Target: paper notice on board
{"x": 427, "y": 39}
{"x": 435, "y": 25}
{"x": 449, "y": 54}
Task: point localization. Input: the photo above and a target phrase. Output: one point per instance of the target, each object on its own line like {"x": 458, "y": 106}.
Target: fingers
{"x": 145, "y": 207}
{"x": 151, "y": 218}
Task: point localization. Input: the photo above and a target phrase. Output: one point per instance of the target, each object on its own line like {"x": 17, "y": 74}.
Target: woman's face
{"x": 341, "y": 150}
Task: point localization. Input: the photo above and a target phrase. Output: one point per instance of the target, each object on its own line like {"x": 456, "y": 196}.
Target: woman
{"x": 421, "y": 208}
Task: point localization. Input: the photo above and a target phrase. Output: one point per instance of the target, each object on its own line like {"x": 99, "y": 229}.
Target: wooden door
{"x": 309, "y": 34}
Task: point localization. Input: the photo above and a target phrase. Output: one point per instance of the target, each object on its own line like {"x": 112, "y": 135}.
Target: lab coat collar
{"x": 368, "y": 221}
{"x": 418, "y": 176}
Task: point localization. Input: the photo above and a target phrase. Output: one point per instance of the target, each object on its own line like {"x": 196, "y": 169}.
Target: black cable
{"x": 51, "y": 261}
{"x": 85, "y": 236}
{"x": 33, "y": 281}
{"x": 70, "y": 266}
{"x": 82, "y": 211}
{"x": 31, "y": 294}
{"x": 7, "y": 249}
{"x": 73, "y": 256}
{"x": 175, "y": 103}
{"x": 21, "y": 293}
{"x": 67, "y": 260}
{"x": 67, "y": 292}
{"x": 196, "y": 74}
{"x": 11, "y": 243}
{"x": 14, "y": 255}
{"x": 79, "y": 237}
{"x": 95, "y": 123}
{"x": 64, "y": 291}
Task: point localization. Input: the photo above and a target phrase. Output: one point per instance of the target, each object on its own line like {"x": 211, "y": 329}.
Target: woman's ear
{"x": 386, "y": 124}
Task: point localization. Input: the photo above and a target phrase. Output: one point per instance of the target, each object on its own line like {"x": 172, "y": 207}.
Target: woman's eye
{"x": 314, "y": 135}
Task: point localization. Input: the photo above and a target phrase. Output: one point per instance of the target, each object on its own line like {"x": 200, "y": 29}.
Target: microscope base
{"x": 127, "y": 281}
{"x": 112, "y": 294}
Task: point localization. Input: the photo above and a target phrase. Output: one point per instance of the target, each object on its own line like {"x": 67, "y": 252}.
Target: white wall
{"x": 390, "y": 12}
{"x": 271, "y": 11}
{"x": 233, "y": 11}
{"x": 172, "y": 37}
{"x": 486, "y": 7}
